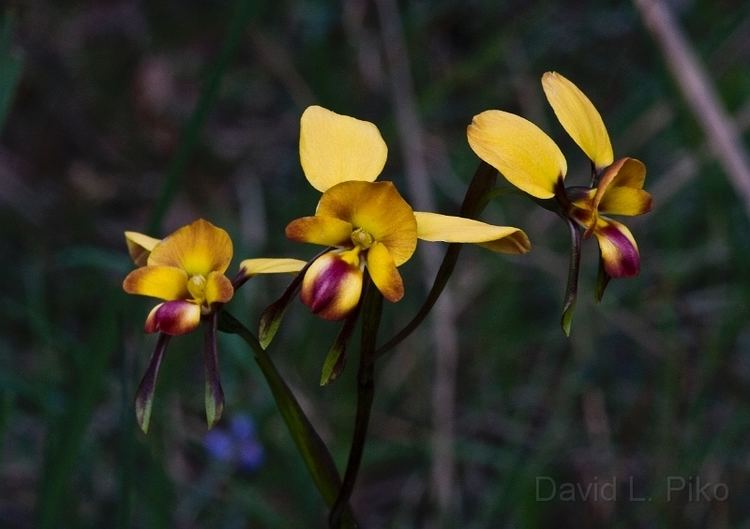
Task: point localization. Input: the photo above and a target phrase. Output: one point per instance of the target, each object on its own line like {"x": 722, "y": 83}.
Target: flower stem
{"x": 311, "y": 447}
{"x": 371, "y": 311}
{"x": 477, "y": 196}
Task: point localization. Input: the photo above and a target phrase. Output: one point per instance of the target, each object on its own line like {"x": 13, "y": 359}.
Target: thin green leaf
{"x": 311, "y": 447}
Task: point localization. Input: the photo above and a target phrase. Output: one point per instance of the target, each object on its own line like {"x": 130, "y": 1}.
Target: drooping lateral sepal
{"x": 602, "y": 280}
{"x": 144, "y": 396}
{"x": 336, "y": 357}
{"x": 571, "y": 289}
{"x": 214, "y": 395}
{"x": 271, "y": 318}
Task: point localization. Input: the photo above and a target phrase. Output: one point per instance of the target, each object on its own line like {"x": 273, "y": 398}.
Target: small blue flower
{"x": 237, "y": 445}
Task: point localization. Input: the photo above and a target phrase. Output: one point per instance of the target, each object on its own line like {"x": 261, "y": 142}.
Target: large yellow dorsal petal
{"x": 198, "y": 248}
{"x": 334, "y": 148}
{"x": 520, "y": 150}
{"x": 579, "y": 118}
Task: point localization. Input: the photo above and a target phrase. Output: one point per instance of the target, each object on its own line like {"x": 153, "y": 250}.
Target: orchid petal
{"x": 447, "y": 228}
{"x": 579, "y": 118}
{"x": 320, "y": 229}
{"x": 519, "y": 150}
{"x": 144, "y": 396}
{"x": 199, "y": 248}
{"x": 332, "y": 286}
{"x": 139, "y": 246}
{"x": 334, "y": 148}
{"x": 384, "y": 273}
{"x": 219, "y": 288}
{"x": 626, "y": 201}
{"x": 251, "y": 267}
{"x": 378, "y": 209}
{"x": 163, "y": 282}
{"x": 619, "y": 251}
{"x": 174, "y": 318}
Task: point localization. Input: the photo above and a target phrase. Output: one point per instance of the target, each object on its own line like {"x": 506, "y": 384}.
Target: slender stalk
{"x": 311, "y": 447}
{"x": 477, "y": 196}
{"x": 372, "y": 307}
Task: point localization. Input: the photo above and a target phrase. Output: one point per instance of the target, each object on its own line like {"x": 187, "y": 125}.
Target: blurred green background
{"x": 146, "y": 115}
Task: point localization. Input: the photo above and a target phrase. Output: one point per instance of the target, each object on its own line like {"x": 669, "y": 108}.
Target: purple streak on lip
{"x": 327, "y": 283}
{"x": 629, "y": 261}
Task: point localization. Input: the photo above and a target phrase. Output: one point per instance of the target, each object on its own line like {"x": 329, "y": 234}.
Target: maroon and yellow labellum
{"x": 333, "y": 284}
{"x": 619, "y": 251}
{"x": 173, "y": 318}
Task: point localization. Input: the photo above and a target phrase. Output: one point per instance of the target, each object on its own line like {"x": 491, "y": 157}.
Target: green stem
{"x": 241, "y": 14}
{"x": 311, "y": 447}
{"x": 371, "y": 311}
{"x": 477, "y": 196}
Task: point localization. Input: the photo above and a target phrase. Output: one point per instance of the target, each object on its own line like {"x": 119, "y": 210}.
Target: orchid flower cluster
{"x": 368, "y": 231}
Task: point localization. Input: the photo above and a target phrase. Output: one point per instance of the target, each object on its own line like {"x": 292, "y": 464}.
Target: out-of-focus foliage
{"x": 653, "y": 382}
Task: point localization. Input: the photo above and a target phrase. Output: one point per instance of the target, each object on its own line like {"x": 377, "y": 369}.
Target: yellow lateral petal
{"x": 198, "y": 248}
{"x": 579, "y": 118}
{"x": 384, "y": 273}
{"x": 627, "y": 201}
{"x": 447, "y": 228}
{"x": 335, "y": 148}
{"x": 263, "y": 265}
{"x": 619, "y": 251}
{"x": 219, "y": 288}
{"x": 139, "y": 246}
{"x": 320, "y": 229}
{"x": 520, "y": 150}
{"x": 163, "y": 282}
{"x": 378, "y": 209}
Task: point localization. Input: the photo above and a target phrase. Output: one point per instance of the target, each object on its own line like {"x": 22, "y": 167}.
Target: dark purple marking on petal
{"x": 326, "y": 285}
{"x": 628, "y": 262}
{"x": 144, "y": 396}
{"x": 176, "y": 317}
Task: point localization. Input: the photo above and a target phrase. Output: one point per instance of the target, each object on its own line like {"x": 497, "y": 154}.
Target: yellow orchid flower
{"x": 368, "y": 223}
{"x": 187, "y": 270}
{"x": 530, "y": 160}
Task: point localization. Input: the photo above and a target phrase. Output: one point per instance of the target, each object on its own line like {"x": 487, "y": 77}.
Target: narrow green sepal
{"x": 602, "y": 280}
{"x": 214, "y": 394}
{"x": 144, "y": 395}
{"x": 567, "y": 316}
{"x": 336, "y": 357}
{"x": 571, "y": 289}
{"x": 272, "y": 316}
